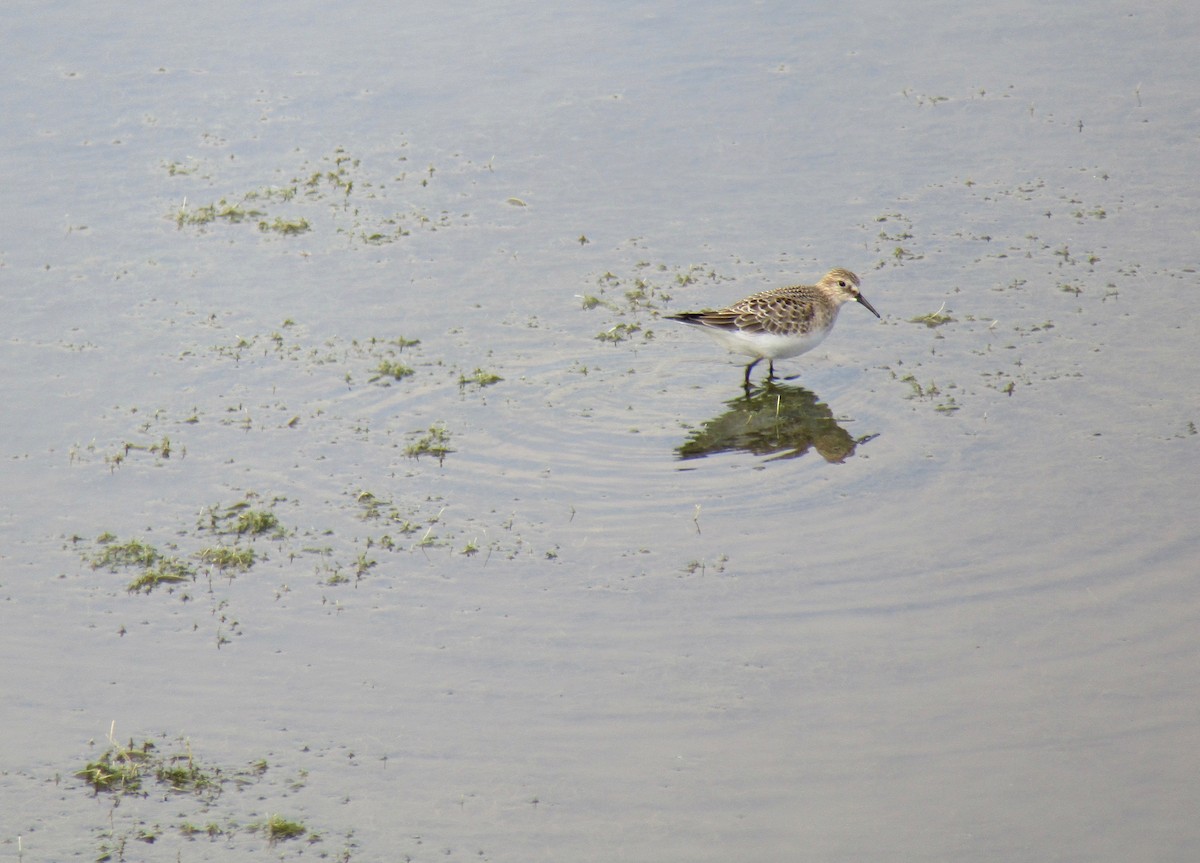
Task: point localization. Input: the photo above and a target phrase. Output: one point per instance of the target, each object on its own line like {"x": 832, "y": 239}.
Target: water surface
{"x": 956, "y": 622}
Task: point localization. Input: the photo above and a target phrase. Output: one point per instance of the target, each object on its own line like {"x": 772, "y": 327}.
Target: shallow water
{"x": 956, "y": 621}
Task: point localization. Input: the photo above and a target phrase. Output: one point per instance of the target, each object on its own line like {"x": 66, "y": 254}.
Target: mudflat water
{"x": 359, "y": 503}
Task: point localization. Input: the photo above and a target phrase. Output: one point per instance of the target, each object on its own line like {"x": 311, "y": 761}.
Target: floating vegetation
{"x": 119, "y": 769}
{"x": 257, "y": 522}
{"x": 894, "y": 241}
{"x": 284, "y": 226}
{"x": 175, "y": 169}
{"x": 279, "y": 828}
{"x": 391, "y": 369}
{"x": 373, "y": 360}
{"x": 228, "y": 558}
{"x": 114, "y": 460}
{"x": 434, "y": 442}
{"x": 479, "y": 378}
{"x": 590, "y": 301}
{"x": 943, "y": 402}
{"x": 156, "y": 569}
{"x": 337, "y": 177}
{"x": 222, "y": 210}
{"x": 126, "y": 768}
{"x": 242, "y": 519}
{"x": 618, "y": 332}
{"x": 358, "y": 196}
{"x": 187, "y": 797}
{"x": 388, "y": 367}
{"x": 924, "y": 98}
{"x": 919, "y": 391}
{"x": 354, "y": 573}
{"x": 239, "y": 528}
{"x": 372, "y": 506}
{"x": 405, "y": 523}
{"x": 206, "y": 565}
{"x": 114, "y": 554}
{"x": 183, "y": 775}
{"x": 933, "y": 319}
{"x": 701, "y": 567}
{"x": 166, "y": 571}
{"x": 643, "y": 294}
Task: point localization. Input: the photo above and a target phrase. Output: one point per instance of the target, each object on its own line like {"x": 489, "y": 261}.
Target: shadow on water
{"x": 776, "y": 420}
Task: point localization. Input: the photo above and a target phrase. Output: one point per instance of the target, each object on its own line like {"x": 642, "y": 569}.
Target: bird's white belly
{"x": 767, "y": 345}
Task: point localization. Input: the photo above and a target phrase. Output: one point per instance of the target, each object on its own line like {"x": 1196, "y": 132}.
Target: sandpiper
{"x": 782, "y": 322}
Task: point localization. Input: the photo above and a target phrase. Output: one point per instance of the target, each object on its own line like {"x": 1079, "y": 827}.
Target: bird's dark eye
{"x": 841, "y": 284}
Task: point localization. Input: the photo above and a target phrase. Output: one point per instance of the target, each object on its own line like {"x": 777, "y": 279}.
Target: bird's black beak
{"x": 870, "y": 308}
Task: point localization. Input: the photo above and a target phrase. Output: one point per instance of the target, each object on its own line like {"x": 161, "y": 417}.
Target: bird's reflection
{"x": 776, "y": 420}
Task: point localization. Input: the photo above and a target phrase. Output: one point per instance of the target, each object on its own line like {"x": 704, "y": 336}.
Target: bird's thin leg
{"x": 748, "y": 368}
{"x": 770, "y": 370}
